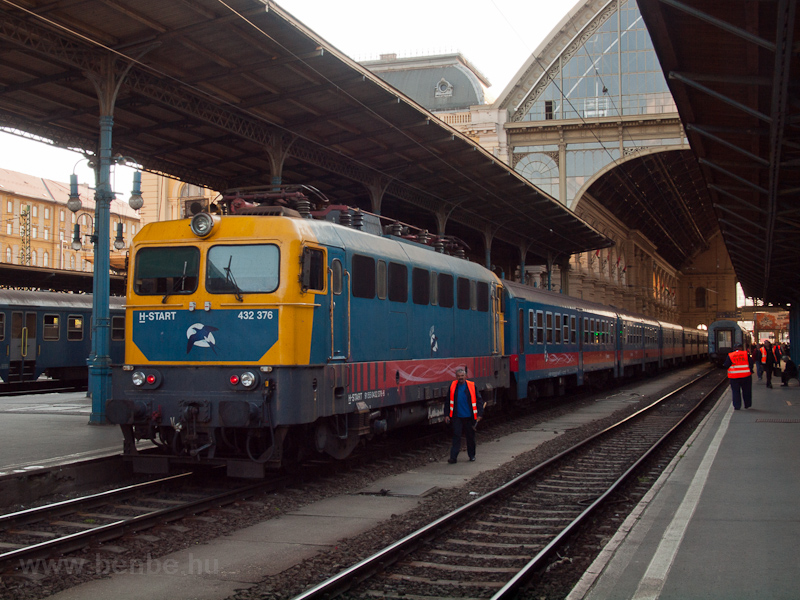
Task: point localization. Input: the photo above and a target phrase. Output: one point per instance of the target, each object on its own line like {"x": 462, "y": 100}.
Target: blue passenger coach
{"x": 50, "y": 333}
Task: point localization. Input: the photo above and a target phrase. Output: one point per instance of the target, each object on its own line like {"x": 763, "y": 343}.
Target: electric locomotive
{"x": 271, "y": 329}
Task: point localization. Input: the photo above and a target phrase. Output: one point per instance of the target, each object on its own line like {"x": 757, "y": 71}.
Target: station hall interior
{"x": 645, "y": 155}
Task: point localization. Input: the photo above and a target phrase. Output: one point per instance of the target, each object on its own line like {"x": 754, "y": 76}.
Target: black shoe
{"x": 472, "y": 459}
{"x": 451, "y": 462}
{"x": 769, "y": 385}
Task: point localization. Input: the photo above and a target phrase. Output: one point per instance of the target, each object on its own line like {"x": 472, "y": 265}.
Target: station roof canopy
{"x": 215, "y": 93}
{"x": 734, "y": 71}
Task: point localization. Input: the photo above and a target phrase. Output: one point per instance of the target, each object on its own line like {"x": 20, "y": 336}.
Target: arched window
{"x": 72, "y": 262}
{"x": 190, "y": 191}
{"x": 34, "y": 258}
{"x": 46, "y": 260}
{"x": 700, "y": 297}
{"x": 9, "y": 255}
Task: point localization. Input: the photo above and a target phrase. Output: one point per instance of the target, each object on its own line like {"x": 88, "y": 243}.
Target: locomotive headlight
{"x": 248, "y": 379}
{"x": 202, "y": 224}
{"x": 138, "y": 378}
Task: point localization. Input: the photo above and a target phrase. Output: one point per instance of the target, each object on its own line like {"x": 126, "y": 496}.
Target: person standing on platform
{"x": 739, "y": 365}
{"x": 755, "y": 355}
{"x": 769, "y": 361}
{"x": 466, "y": 410}
{"x": 762, "y": 359}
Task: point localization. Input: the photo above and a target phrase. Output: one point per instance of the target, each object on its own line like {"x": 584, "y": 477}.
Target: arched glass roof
{"x": 609, "y": 69}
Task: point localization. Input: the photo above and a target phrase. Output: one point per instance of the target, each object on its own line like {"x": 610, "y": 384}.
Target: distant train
{"x": 257, "y": 336}
{"x": 50, "y": 333}
{"x": 723, "y": 336}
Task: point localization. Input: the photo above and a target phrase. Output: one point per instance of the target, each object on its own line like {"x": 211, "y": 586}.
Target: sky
{"x": 496, "y": 36}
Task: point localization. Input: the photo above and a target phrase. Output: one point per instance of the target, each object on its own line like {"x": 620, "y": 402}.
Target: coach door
{"x": 22, "y": 347}
{"x": 339, "y": 290}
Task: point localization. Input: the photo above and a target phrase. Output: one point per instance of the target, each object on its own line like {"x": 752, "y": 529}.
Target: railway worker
{"x": 739, "y": 364}
{"x": 466, "y": 410}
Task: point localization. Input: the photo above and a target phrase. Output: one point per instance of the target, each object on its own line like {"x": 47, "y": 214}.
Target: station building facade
{"x": 591, "y": 97}
{"x": 37, "y": 227}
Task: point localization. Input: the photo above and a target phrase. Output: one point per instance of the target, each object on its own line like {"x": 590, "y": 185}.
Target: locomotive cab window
{"x": 160, "y": 271}
{"x": 252, "y": 268}
{"x": 51, "y": 329}
{"x": 313, "y": 276}
{"x": 74, "y": 328}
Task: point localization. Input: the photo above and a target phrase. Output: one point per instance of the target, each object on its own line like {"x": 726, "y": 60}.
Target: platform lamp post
{"x": 99, "y": 360}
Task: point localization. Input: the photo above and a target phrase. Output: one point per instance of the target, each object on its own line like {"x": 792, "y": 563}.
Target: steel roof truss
{"x": 683, "y": 78}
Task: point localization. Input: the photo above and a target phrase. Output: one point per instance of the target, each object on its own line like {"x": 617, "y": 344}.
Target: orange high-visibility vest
{"x": 473, "y": 396}
{"x": 763, "y": 355}
{"x": 740, "y": 367}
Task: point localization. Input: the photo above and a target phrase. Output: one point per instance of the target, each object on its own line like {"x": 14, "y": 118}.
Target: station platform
{"x": 723, "y": 521}
{"x": 45, "y": 430}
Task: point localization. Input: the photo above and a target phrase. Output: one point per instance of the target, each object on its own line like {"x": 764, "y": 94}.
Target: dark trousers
{"x": 742, "y": 388}
{"x": 467, "y": 425}
{"x": 768, "y": 369}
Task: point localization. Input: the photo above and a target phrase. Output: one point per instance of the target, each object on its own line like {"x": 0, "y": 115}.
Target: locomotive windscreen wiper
{"x": 178, "y": 284}
{"x": 229, "y": 277}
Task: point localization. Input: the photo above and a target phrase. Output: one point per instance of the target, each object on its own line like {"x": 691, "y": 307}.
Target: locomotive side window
{"x": 160, "y": 271}
{"x": 420, "y": 286}
{"x": 434, "y": 288}
{"x": 531, "y": 328}
{"x": 51, "y": 329}
{"x": 398, "y": 282}
{"x": 239, "y": 269}
{"x": 336, "y": 276}
{"x": 558, "y": 329}
{"x": 381, "y": 281}
{"x": 313, "y": 277}
{"x": 462, "y": 290}
{"x": 2, "y": 325}
{"x": 74, "y": 328}
{"x": 482, "y": 291}
{"x": 117, "y": 328}
{"x": 445, "y": 290}
{"x": 539, "y": 327}
{"x": 473, "y": 302}
{"x": 363, "y": 276}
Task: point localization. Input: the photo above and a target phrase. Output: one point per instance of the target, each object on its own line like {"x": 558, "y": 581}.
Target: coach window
{"x": 592, "y": 332}
{"x": 531, "y": 328}
{"x": 2, "y": 326}
{"x": 51, "y": 333}
{"x": 117, "y": 329}
{"x": 381, "y": 282}
{"x": 363, "y": 276}
{"x": 445, "y": 290}
{"x": 420, "y": 286}
{"x": 539, "y": 327}
{"x": 549, "y": 322}
{"x": 336, "y": 276}
{"x": 585, "y": 330}
{"x": 74, "y": 328}
{"x": 558, "y": 329}
{"x": 159, "y": 271}
{"x": 566, "y": 329}
{"x": 250, "y": 268}
{"x": 398, "y": 282}
{"x": 462, "y": 292}
{"x": 482, "y": 292}
{"x": 434, "y": 288}
{"x": 574, "y": 328}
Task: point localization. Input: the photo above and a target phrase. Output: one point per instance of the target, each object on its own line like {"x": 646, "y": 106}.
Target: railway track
{"x": 496, "y": 545}
{"x": 62, "y": 527}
